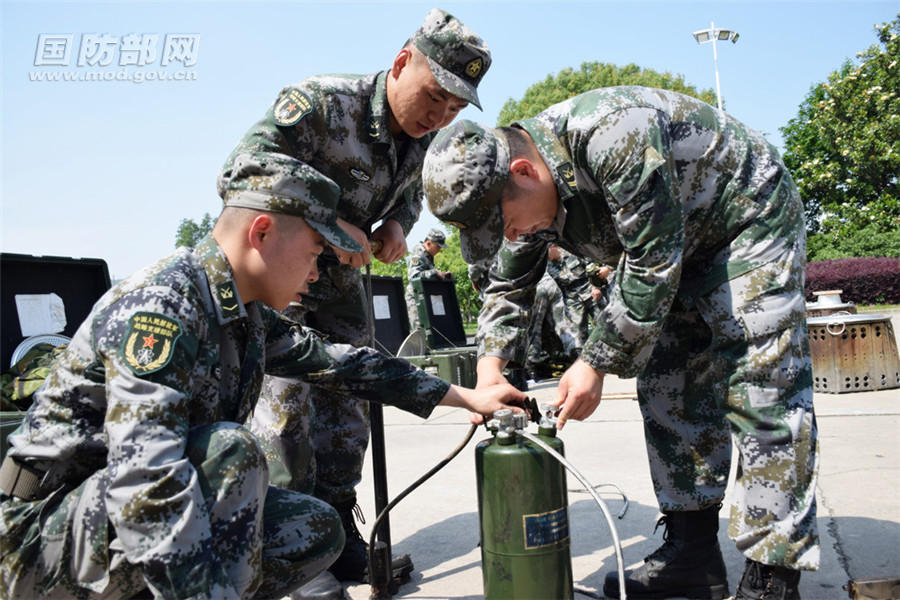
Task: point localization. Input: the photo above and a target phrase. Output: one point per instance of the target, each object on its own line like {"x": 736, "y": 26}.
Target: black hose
{"x": 443, "y": 463}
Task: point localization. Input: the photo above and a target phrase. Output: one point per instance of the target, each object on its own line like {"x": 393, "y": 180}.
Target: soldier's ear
{"x": 403, "y": 58}
{"x": 523, "y": 167}
{"x": 261, "y": 227}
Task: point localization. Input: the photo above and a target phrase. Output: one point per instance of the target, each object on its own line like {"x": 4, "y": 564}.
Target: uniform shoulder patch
{"x": 415, "y": 261}
{"x": 567, "y": 174}
{"x": 292, "y": 107}
{"x": 150, "y": 341}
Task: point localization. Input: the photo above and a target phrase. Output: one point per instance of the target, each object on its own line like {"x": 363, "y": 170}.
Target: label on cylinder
{"x": 546, "y": 529}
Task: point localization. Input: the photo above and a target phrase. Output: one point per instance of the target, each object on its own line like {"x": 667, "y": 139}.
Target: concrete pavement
{"x": 858, "y": 495}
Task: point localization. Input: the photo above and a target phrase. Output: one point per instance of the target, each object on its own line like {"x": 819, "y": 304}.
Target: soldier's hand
{"x": 354, "y": 259}
{"x": 579, "y": 392}
{"x": 483, "y": 401}
{"x": 393, "y": 242}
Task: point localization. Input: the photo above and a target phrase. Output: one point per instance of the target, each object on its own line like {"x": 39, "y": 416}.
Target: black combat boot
{"x": 765, "y": 582}
{"x": 323, "y": 587}
{"x": 352, "y": 564}
{"x": 688, "y": 565}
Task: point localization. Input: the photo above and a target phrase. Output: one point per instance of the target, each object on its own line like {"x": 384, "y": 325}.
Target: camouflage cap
{"x": 464, "y": 173}
{"x": 292, "y": 189}
{"x": 458, "y": 57}
{"x": 437, "y": 236}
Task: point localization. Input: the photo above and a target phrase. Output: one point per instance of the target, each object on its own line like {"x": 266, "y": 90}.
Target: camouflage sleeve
{"x": 407, "y": 213}
{"x": 364, "y": 372}
{"x": 508, "y": 299}
{"x": 630, "y": 156}
{"x": 418, "y": 266}
{"x": 148, "y": 341}
{"x": 287, "y": 136}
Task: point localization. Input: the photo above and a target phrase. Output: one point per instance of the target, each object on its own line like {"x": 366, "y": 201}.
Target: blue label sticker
{"x": 546, "y": 529}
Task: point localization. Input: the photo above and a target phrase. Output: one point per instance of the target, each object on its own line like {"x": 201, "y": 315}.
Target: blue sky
{"x": 107, "y": 169}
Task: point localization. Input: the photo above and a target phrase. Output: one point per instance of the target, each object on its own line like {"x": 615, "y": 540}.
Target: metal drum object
{"x": 853, "y": 353}
{"x": 827, "y": 303}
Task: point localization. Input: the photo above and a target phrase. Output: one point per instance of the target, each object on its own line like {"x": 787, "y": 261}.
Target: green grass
{"x": 877, "y": 307}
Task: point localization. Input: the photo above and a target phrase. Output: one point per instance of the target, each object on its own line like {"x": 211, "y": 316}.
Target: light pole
{"x": 712, "y": 35}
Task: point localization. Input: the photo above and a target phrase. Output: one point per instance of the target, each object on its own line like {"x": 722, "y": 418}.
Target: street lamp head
{"x": 708, "y": 35}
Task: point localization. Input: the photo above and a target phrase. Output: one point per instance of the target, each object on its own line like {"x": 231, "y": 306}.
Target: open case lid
{"x": 79, "y": 282}
{"x": 391, "y": 317}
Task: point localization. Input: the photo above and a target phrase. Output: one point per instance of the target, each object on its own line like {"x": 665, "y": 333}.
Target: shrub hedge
{"x": 867, "y": 280}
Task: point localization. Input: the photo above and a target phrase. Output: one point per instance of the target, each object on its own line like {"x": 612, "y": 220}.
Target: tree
{"x": 844, "y": 145}
{"x": 190, "y": 233}
{"x": 591, "y": 75}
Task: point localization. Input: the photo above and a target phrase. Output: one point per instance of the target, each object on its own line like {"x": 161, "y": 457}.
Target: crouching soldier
{"x": 131, "y": 471}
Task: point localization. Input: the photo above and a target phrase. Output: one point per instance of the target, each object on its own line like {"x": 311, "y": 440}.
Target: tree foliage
{"x": 190, "y": 232}
{"x": 591, "y": 75}
{"x": 844, "y": 145}
{"x": 869, "y": 241}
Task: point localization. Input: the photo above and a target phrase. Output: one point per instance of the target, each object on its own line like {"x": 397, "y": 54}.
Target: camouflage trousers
{"x": 64, "y": 547}
{"x": 316, "y": 439}
{"x": 735, "y": 368}
{"x": 551, "y": 315}
{"x": 412, "y": 308}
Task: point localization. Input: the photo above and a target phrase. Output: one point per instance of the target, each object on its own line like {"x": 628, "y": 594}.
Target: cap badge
{"x": 473, "y": 67}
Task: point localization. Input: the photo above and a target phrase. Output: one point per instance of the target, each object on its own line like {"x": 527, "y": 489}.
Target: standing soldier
{"x": 707, "y": 309}
{"x": 420, "y": 265}
{"x": 132, "y": 470}
{"x": 369, "y": 134}
{"x": 559, "y": 324}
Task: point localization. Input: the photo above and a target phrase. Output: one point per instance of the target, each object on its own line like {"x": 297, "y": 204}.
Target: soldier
{"x": 420, "y": 265}
{"x": 131, "y": 469}
{"x": 707, "y": 309}
{"x": 559, "y": 322}
{"x": 369, "y": 134}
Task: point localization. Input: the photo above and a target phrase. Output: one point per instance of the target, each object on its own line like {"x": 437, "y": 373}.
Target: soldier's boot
{"x": 323, "y": 587}
{"x": 766, "y": 582}
{"x": 688, "y": 564}
{"x": 352, "y": 564}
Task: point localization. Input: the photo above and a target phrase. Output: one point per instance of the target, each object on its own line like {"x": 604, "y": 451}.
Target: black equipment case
{"x": 79, "y": 282}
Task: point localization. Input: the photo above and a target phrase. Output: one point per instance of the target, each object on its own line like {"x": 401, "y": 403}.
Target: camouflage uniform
{"x": 560, "y": 311}
{"x": 707, "y": 308}
{"x": 340, "y": 125}
{"x": 420, "y": 265}
{"x": 148, "y": 474}
{"x": 570, "y": 274}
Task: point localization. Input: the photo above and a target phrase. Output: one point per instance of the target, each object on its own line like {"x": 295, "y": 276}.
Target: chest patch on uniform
{"x": 567, "y": 173}
{"x": 359, "y": 174}
{"x": 292, "y": 107}
{"x": 149, "y": 342}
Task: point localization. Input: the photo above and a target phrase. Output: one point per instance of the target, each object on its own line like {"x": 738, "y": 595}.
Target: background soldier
{"x": 131, "y": 468}
{"x": 368, "y": 134}
{"x": 559, "y": 322}
{"x": 707, "y": 309}
{"x": 420, "y": 265}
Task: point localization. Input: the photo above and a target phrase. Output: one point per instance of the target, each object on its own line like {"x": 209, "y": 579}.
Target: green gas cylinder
{"x": 523, "y": 511}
